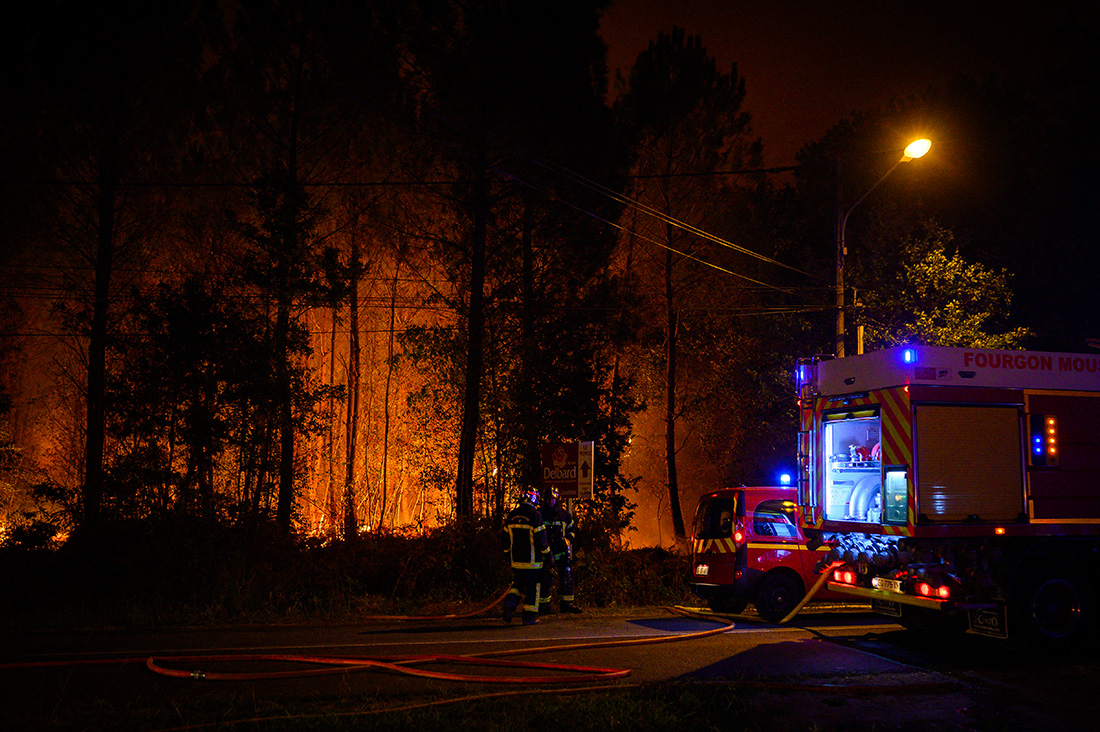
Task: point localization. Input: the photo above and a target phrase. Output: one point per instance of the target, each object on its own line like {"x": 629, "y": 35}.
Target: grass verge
{"x": 698, "y": 707}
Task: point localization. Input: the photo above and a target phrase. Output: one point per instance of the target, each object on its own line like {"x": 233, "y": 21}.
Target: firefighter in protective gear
{"x": 524, "y": 540}
{"x": 559, "y": 535}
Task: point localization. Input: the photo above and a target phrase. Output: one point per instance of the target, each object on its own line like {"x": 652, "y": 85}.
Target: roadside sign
{"x": 586, "y": 468}
{"x": 569, "y": 467}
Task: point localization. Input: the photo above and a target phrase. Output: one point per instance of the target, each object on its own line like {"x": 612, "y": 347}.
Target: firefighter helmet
{"x": 551, "y": 496}
{"x": 530, "y": 494}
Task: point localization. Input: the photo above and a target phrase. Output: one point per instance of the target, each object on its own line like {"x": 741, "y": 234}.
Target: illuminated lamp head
{"x": 916, "y": 149}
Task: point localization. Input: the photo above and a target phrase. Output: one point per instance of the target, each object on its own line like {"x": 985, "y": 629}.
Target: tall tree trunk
{"x": 351, "y": 525}
{"x": 467, "y": 438}
{"x": 332, "y": 515}
{"x": 529, "y": 470}
{"x": 670, "y": 400}
{"x": 386, "y": 401}
{"x": 282, "y": 326}
{"x": 286, "y": 413}
{"x": 95, "y": 427}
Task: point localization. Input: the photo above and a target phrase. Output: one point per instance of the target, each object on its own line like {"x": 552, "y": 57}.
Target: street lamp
{"x": 914, "y": 150}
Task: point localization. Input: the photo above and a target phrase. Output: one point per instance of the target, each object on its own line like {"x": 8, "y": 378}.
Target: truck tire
{"x": 1053, "y": 610}
{"x": 727, "y": 605}
{"x": 776, "y": 595}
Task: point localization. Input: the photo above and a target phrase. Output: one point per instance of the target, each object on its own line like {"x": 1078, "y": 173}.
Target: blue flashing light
{"x": 785, "y": 479}
{"x": 909, "y": 355}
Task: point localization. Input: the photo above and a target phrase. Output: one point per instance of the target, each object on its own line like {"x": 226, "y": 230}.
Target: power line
{"x": 644, "y": 208}
{"x": 643, "y": 237}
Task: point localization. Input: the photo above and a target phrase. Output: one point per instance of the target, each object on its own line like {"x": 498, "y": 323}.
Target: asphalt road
{"x": 830, "y": 669}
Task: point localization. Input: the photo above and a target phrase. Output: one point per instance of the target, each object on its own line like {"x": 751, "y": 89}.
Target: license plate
{"x": 886, "y": 607}
{"x": 890, "y": 585}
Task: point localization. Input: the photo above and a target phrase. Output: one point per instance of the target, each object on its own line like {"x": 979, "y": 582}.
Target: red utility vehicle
{"x": 746, "y": 546}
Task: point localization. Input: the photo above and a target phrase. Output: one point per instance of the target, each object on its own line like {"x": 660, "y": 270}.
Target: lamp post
{"x": 914, "y": 150}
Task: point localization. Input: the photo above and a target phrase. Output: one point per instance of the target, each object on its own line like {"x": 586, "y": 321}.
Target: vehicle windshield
{"x": 714, "y": 518}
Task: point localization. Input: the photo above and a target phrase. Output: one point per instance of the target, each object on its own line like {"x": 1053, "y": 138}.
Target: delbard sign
{"x": 569, "y": 467}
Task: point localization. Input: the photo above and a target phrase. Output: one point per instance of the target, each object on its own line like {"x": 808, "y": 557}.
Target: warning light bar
{"x": 1043, "y": 451}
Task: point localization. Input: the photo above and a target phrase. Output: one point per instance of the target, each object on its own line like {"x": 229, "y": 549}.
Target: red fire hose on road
{"x": 403, "y": 665}
{"x": 409, "y": 665}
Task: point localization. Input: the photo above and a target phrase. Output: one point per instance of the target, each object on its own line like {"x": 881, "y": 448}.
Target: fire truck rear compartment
{"x": 957, "y": 485}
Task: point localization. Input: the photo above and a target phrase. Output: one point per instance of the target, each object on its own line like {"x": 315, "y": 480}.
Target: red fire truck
{"x": 746, "y": 546}
{"x": 958, "y": 488}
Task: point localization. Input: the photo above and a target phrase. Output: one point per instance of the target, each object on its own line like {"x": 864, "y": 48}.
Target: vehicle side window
{"x": 775, "y": 518}
{"x": 714, "y": 519}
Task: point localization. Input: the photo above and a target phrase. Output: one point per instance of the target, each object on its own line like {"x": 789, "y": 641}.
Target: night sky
{"x": 809, "y": 64}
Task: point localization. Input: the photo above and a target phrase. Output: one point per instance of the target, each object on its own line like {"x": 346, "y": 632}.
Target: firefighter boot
{"x": 569, "y": 607}
{"x": 509, "y": 608}
{"x": 530, "y": 618}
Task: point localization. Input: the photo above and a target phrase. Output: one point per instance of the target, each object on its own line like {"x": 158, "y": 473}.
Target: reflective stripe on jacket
{"x": 524, "y": 537}
{"x": 559, "y": 530}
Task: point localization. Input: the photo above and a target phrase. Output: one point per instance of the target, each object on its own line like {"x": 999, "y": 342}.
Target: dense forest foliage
{"x": 346, "y": 266}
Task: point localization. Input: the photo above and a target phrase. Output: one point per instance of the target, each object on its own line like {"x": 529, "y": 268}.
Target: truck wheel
{"x": 776, "y": 596}
{"x": 727, "y": 605}
{"x": 1053, "y": 611}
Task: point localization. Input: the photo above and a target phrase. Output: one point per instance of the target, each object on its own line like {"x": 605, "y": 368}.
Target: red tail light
{"x": 943, "y": 592}
{"x": 845, "y": 576}
{"x": 739, "y": 533}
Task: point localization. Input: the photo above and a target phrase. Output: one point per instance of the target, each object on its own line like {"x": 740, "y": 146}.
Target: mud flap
{"x": 989, "y": 621}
